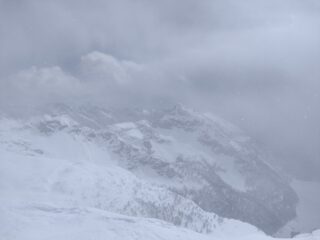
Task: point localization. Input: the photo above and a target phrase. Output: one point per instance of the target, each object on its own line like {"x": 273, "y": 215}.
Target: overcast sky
{"x": 254, "y": 62}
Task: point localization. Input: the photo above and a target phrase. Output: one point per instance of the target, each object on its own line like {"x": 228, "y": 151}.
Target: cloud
{"x": 98, "y": 78}
{"x": 35, "y": 86}
{"x": 102, "y": 67}
{"x": 254, "y": 62}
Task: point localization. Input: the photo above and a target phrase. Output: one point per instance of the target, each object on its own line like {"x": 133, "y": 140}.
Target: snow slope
{"x": 71, "y": 170}
{"x": 46, "y": 222}
{"x": 65, "y": 182}
{"x": 63, "y": 176}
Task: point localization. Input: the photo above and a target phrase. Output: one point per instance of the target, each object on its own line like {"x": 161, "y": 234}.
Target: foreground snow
{"x": 49, "y": 222}
{"x": 64, "y": 187}
{"x": 46, "y": 222}
{"x": 69, "y": 184}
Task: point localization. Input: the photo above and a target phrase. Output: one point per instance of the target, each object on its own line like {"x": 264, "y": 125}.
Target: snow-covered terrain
{"x": 46, "y": 222}
{"x": 82, "y": 174}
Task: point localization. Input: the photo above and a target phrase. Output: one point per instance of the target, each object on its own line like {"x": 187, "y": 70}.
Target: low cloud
{"x": 255, "y": 62}
{"x": 97, "y": 66}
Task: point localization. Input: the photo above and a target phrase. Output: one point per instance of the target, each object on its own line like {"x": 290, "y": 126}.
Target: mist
{"x": 254, "y": 62}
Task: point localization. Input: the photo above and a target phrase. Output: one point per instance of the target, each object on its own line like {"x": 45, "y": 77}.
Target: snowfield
{"x": 60, "y": 180}
{"x": 45, "y": 222}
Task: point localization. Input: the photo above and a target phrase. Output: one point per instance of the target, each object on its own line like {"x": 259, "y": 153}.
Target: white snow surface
{"x": 64, "y": 186}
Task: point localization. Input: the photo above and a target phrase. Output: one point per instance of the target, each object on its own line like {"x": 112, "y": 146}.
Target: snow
{"x": 130, "y": 129}
{"x": 64, "y": 186}
{"x": 230, "y": 174}
{"x": 50, "y": 222}
{"x": 226, "y": 125}
{"x": 125, "y": 125}
{"x": 67, "y": 174}
{"x": 180, "y": 142}
{"x": 63, "y": 119}
{"x": 47, "y": 222}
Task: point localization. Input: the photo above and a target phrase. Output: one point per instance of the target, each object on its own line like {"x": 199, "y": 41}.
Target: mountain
{"x": 176, "y": 165}
{"x": 308, "y": 209}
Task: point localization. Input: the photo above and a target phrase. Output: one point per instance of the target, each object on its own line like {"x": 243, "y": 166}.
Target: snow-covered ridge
{"x": 70, "y": 170}
{"x": 176, "y": 165}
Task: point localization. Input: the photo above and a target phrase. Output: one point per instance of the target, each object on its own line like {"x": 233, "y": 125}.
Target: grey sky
{"x": 255, "y": 62}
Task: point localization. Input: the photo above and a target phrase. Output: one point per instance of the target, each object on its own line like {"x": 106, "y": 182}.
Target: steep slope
{"x": 47, "y": 222}
{"x": 176, "y": 165}
{"x": 50, "y": 222}
{"x": 235, "y": 180}
{"x": 205, "y": 159}
{"x": 65, "y": 169}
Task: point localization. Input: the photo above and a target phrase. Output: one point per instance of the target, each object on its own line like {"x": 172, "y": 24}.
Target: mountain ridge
{"x": 200, "y": 158}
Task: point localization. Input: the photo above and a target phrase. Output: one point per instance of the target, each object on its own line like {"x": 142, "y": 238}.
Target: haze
{"x": 254, "y": 62}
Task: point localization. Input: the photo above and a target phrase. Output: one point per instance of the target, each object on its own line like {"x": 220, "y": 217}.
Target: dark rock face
{"x": 200, "y": 157}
